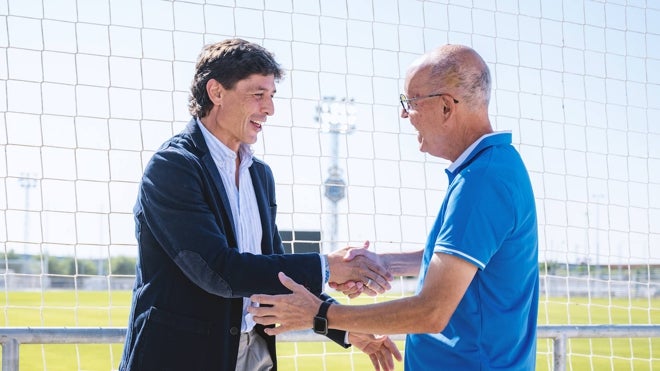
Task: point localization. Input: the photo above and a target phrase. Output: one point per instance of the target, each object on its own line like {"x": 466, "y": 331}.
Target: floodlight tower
{"x": 336, "y": 117}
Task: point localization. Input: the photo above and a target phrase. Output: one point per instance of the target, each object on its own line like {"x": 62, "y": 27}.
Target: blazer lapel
{"x": 258, "y": 178}
{"x": 198, "y": 139}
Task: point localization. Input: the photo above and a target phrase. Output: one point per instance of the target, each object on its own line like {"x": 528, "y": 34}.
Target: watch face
{"x": 321, "y": 325}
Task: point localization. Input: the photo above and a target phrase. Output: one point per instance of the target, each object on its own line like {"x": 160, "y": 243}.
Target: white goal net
{"x": 90, "y": 88}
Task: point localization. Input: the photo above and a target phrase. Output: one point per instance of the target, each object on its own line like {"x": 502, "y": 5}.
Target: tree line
{"x": 68, "y": 265}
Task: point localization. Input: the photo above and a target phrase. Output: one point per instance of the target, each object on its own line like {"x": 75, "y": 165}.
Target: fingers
{"x": 351, "y": 253}
{"x": 263, "y": 315}
{"x": 294, "y": 311}
{"x": 273, "y": 331}
{"x": 379, "y": 284}
{"x": 374, "y": 263}
{"x": 263, "y": 299}
{"x": 354, "y": 289}
{"x": 374, "y": 361}
{"x": 289, "y": 283}
{"x": 383, "y": 359}
{"x": 344, "y": 287}
{"x": 354, "y": 295}
{"x": 270, "y": 299}
{"x": 369, "y": 292}
{"x": 381, "y": 349}
{"x": 366, "y": 267}
{"x": 387, "y": 354}
{"x": 394, "y": 350}
{"x": 375, "y": 275}
{"x": 351, "y": 289}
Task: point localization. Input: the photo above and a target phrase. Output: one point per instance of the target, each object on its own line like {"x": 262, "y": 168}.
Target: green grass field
{"x": 110, "y": 309}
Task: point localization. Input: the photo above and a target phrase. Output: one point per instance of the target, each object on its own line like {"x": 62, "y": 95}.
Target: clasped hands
{"x": 353, "y": 270}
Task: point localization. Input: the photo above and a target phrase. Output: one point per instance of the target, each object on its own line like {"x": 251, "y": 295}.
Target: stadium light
{"x": 336, "y": 117}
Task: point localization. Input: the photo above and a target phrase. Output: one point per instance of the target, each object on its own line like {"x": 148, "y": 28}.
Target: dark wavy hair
{"x": 228, "y": 62}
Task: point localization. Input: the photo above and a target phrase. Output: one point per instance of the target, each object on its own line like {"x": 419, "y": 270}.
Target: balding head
{"x": 450, "y": 90}
{"x": 457, "y": 70}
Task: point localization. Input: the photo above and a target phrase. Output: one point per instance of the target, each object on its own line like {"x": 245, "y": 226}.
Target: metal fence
{"x": 11, "y": 338}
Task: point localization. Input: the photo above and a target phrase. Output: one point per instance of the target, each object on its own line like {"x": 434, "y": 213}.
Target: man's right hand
{"x": 364, "y": 271}
{"x": 381, "y": 350}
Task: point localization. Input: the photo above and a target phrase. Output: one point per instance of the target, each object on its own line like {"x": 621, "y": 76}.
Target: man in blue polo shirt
{"x": 477, "y": 299}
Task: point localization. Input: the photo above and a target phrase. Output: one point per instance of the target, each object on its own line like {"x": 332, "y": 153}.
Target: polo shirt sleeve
{"x": 478, "y": 217}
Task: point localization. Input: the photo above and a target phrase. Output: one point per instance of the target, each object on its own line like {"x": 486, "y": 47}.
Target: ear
{"x": 448, "y": 105}
{"x": 215, "y": 91}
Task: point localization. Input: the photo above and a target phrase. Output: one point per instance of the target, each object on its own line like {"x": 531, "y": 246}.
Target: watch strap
{"x": 323, "y": 309}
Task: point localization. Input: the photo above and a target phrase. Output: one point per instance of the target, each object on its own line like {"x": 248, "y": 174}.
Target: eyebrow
{"x": 261, "y": 88}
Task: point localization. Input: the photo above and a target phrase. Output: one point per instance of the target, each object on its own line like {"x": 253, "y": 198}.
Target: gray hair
{"x": 466, "y": 72}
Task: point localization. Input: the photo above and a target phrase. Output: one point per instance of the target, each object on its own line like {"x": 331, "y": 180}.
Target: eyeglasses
{"x": 407, "y": 105}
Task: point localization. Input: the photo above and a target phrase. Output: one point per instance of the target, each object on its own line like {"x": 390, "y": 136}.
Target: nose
{"x": 269, "y": 106}
{"x": 404, "y": 113}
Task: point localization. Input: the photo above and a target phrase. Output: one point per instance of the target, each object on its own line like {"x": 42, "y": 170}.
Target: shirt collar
{"x": 486, "y": 140}
{"x": 223, "y": 156}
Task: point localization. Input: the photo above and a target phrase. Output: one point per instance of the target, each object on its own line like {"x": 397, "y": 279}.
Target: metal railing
{"x": 11, "y": 338}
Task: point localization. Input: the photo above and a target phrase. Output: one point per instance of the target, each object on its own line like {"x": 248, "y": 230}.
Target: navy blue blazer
{"x": 187, "y": 306}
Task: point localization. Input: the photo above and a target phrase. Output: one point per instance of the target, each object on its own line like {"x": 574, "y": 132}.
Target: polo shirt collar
{"x": 485, "y": 141}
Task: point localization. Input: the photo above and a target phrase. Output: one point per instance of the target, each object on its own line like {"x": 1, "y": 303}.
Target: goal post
{"x": 90, "y": 89}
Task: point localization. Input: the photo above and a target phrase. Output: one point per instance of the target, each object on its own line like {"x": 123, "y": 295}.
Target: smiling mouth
{"x": 258, "y": 124}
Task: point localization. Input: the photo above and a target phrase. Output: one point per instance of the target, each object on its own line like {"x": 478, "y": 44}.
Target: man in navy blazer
{"x": 207, "y": 239}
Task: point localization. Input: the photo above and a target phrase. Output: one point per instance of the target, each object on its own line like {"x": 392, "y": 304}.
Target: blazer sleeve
{"x": 182, "y": 209}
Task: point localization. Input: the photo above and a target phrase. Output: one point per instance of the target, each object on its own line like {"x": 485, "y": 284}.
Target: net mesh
{"x": 89, "y": 90}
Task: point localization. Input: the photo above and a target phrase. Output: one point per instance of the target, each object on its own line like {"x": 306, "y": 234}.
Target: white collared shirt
{"x": 242, "y": 200}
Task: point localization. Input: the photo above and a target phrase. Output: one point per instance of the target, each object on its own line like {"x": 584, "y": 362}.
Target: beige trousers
{"x": 253, "y": 353}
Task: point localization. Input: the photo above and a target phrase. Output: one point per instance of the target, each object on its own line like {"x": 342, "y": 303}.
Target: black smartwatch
{"x": 321, "y": 319}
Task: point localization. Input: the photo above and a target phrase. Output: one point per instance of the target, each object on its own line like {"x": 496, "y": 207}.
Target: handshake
{"x": 353, "y": 270}
{"x": 356, "y": 270}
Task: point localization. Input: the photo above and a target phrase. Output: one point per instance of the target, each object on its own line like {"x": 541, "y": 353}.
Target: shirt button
{"x": 233, "y": 331}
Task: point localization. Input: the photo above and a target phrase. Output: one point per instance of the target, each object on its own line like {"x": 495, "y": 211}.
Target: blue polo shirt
{"x": 488, "y": 218}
